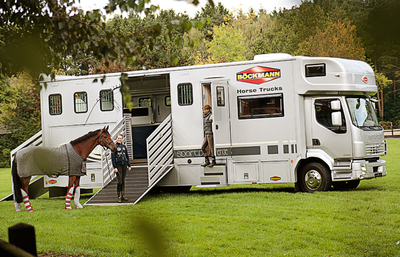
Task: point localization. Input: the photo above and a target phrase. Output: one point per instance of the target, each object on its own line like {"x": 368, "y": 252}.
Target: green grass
{"x": 253, "y": 220}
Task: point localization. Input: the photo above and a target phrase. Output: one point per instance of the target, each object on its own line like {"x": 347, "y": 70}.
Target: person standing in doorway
{"x": 208, "y": 143}
{"x": 121, "y": 164}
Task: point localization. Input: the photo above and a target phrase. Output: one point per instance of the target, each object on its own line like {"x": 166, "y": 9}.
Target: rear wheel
{"x": 314, "y": 177}
{"x": 346, "y": 185}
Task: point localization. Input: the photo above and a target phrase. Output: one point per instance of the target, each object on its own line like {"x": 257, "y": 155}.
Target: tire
{"x": 346, "y": 185}
{"x": 314, "y": 177}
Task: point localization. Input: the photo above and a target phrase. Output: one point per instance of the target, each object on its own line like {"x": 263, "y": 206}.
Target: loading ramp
{"x": 136, "y": 187}
{"x": 141, "y": 179}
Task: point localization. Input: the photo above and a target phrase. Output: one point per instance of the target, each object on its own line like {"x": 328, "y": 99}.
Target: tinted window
{"x": 323, "y": 113}
{"x": 251, "y": 107}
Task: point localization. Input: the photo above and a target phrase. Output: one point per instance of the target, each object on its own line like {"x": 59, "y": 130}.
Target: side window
{"x": 80, "y": 102}
{"x": 315, "y": 70}
{"x": 167, "y": 101}
{"x": 323, "y": 114}
{"x": 266, "y": 106}
{"x": 185, "y": 94}
{"x": 220, "y": 96}
{"x": 55, "y": 104}
{"x": 106, "y": 100}
{"x": 145, "y": 102}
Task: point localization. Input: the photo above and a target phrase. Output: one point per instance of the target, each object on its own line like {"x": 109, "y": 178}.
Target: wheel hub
{"x": 313, "y": 179}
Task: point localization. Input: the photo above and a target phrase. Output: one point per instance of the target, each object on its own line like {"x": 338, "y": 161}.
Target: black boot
{"x": 119, "y": 194}
{"x": 212, "y": 162}
{"x": 123, "y": 198}
{"x": 206, "y": 163}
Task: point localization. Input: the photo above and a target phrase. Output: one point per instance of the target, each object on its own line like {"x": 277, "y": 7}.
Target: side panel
{"x": 63, "y": 127}
{"x": 260, "y": 148}
{"x": 264, "y": 124}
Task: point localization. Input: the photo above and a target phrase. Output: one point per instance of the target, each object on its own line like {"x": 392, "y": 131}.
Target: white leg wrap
{"x": 17, "y": 206}
{"x": 68, "y": 198}
{"x": 27, "y": 203}
{"x": 77, "y": 196}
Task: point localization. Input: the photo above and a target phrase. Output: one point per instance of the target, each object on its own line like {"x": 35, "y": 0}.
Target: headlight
{"x": 364, "y": 168}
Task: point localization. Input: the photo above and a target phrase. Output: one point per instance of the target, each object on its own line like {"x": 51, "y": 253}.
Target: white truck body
{"x": 274, "y": 116}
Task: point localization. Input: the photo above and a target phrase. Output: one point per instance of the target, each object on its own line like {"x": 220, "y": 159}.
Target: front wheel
{"x": 314, "y": 177}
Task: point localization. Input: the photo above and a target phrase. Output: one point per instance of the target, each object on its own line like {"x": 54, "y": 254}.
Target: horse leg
{"x": 77, "y": 195}
{"x": 70, "y": 192}
{"x": 25, "y": 195}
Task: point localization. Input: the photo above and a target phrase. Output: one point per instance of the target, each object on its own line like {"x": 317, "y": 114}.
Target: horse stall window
{"x": 55, "y": 104}
{"x": 266, "y": 106}
{"x": 167, "y": 101}
{"x": 106, "y": 100}
{"x": 145, "y": 102}
{"x": 185, "y": 94}
{"x": 80, "y": 102}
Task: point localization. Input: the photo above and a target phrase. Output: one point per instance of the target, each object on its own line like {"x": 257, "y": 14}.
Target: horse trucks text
{"x": 276, "y": 119}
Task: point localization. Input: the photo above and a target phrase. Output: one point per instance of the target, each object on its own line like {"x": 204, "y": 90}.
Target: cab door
{"x": 322, "y": 133}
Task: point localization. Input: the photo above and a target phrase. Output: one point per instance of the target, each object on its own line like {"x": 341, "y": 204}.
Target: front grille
{"x": 375, "y": 149}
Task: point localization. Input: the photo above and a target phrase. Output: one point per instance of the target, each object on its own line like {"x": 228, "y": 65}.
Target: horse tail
{"x": 16, "y": 181}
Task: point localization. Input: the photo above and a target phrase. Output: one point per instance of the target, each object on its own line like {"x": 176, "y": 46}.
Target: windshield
{"x": 362, "y": 112}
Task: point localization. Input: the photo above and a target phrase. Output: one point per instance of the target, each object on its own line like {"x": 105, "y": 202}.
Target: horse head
{"x": 105, "y": 140}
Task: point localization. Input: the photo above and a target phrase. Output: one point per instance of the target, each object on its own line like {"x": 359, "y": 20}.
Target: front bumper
{"x": 363, "y": 169}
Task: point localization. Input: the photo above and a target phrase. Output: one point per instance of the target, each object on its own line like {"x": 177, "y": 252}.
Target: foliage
{"x": 215, "y": 14}
{"x": 338, "y": 40}
{"x": 43, "y": 35}
{"x": 239, "y": 220}
{"x": 227, "y": 37}
{"x": 19, "y": 112}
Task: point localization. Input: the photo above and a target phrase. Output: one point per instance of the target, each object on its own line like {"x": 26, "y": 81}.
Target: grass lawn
{"x": 253, "y": 220}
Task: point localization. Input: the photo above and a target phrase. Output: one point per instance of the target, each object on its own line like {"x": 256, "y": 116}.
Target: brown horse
{"x": 65, "y": 160}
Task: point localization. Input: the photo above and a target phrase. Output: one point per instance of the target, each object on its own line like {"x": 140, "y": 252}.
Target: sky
{"x": 181, "y": 6}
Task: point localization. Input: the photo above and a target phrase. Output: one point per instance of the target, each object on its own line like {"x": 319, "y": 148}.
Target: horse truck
{"x": 276, "y": 119}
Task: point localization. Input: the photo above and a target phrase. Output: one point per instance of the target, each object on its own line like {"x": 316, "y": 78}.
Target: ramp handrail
{"x": 106, "y": 164}
{"x": 160, "y": 150}
{"x": 33, "y": 140}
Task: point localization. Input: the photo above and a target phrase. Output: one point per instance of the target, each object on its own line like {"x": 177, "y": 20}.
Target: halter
{"x": 104, "y": 144}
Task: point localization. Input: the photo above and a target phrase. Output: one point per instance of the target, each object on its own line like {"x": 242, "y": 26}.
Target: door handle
{"x": 216, "y": 127}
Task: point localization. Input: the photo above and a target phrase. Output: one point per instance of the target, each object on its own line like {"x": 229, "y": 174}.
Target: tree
{"x": 39, "y": 35}
{"x": 215, "y": 14}
{"x": 227, "y": 37}
{"x": 338, "y": 40}
{"x": 298, "y": 24}
{"x": 19, "y": 111}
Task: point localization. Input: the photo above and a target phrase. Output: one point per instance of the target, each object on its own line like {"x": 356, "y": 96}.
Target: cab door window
{"x": 323, "y": 114}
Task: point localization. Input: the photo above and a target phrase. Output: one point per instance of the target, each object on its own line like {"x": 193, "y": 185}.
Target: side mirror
{"x": 335, "y": 105}
{"x": 336, "y": 119}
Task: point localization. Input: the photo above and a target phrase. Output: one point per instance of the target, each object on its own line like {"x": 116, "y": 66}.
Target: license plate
{"x": 378, "y": 175}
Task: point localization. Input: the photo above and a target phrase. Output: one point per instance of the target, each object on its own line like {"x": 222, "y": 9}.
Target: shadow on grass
{"x": 225, "y": 190}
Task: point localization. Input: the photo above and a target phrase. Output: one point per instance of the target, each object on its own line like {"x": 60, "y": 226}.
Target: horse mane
{"x": 85, "y": 137}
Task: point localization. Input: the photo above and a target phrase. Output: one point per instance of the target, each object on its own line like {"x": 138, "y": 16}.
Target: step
{"x": 212, "y": 180}
{"x": 216, "y": 170}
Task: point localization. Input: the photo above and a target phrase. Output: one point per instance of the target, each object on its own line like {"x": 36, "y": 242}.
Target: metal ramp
{"x": 136, "y": 187}
{"x": 141, "y": 179}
